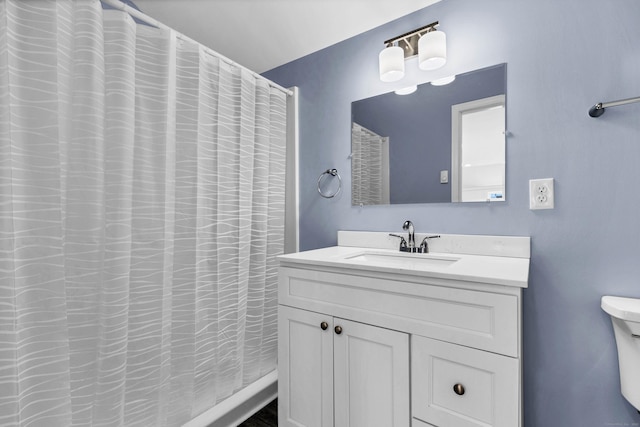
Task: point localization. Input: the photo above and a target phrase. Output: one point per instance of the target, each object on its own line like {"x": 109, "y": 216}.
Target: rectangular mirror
{"x": 438, "y": 144}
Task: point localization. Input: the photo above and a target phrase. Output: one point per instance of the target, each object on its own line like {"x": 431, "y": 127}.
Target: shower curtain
{"x": 141, "y": 209}
{"x": 369, "y": 167}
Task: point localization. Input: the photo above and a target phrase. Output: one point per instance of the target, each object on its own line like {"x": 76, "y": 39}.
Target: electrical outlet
{"x": 541, "y": 194}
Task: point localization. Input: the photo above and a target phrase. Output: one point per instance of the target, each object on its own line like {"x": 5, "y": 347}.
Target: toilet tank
{"x": 625, "y": 316}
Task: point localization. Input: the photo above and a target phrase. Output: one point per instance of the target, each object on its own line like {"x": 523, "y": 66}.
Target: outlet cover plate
{"x": 541, "y": 194}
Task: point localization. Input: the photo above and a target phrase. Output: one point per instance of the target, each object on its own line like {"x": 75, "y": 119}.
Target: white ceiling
{"x": 263, "y": 34}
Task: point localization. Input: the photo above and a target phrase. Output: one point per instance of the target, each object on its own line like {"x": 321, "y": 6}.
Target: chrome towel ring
{"x": 333, "y": 173}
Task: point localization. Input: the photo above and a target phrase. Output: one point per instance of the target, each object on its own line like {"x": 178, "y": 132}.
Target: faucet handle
{"x": 424, "y": 246}
{"x": 403, "y": 242}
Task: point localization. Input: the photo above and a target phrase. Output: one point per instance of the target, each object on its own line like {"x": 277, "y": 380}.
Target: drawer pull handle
{"x": 458, "y": 389}
{"x": 324, "y": 326}
{"x": 338, "y": 329}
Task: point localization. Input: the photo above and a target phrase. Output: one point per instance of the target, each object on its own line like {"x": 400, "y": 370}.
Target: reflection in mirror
{"x": 437, "y": 144}
{"x": 477, "y": 150}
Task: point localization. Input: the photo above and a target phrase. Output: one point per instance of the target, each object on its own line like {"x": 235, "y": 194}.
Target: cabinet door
{"x": 456, "y": 386}
{"x": 371, "y": 376}
{"x": 305, "y": 368}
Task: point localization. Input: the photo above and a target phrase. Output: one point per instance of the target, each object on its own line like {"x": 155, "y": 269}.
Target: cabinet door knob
{"x": 324, "y": 326}
{"x": 338, "y": 329}
{"x": 458, "y": 389}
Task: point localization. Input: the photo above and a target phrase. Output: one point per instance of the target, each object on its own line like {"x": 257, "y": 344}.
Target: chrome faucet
{"x": 411, "y": 241}
{"x": 409, "y": 245}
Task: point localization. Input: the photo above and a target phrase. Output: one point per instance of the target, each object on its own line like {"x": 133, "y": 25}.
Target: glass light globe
{"x": 391, "y": 62}
{"x": 432, "y": 50}
{"x": 406, "y": 90}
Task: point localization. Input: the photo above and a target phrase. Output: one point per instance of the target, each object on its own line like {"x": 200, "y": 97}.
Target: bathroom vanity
{"x": 370, "y": 336}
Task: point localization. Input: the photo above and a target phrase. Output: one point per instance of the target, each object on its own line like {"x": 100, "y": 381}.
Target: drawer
{"x": 484, "y": 320}
{"x": 489, "y": 396}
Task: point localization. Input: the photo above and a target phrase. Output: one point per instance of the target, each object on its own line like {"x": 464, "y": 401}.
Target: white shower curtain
{"x": 369, "y": 167}
{"x": 141, "y": 209}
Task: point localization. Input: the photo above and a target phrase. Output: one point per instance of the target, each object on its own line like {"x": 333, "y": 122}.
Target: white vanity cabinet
{"x": 341, "y": 372}
{"x": 437, "y": 347}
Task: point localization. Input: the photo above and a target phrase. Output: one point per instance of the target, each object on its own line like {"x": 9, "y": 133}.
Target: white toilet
{"x": 625, "y": 316}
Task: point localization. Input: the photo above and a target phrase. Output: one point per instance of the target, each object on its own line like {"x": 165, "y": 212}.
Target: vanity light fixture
{"x": 429, "y": 44}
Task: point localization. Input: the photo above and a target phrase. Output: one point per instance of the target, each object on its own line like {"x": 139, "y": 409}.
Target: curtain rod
{"x": 119, "y": 5}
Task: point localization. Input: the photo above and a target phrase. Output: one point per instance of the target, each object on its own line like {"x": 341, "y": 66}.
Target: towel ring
{"x": 332, "y": 172}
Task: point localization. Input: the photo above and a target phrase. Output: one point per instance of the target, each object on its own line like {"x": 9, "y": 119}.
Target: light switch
{"x": 444, "y": 177}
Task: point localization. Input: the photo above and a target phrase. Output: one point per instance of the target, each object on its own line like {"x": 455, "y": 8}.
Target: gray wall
{"x": 563, "y": 56}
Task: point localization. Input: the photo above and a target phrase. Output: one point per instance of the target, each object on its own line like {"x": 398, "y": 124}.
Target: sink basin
{"x": 402, "y": 260}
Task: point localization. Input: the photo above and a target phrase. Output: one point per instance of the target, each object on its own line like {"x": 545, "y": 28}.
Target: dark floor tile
{"x": 266, "y": 417}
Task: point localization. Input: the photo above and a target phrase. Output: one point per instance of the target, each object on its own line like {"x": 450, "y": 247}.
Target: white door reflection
{"x": 478, "y": 150}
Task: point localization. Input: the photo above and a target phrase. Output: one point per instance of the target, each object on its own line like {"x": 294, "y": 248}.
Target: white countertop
{"x": 499, "y": 270}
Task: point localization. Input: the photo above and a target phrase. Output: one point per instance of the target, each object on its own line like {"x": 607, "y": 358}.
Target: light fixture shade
{"x": 391, "y": 62}
{"x": 432, "y": 50}
{"x": 406, "y": 90}
{"x": 443, "y": 81}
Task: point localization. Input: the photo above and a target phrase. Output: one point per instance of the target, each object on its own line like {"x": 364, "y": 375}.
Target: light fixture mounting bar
{"x": 409, "y": 41}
